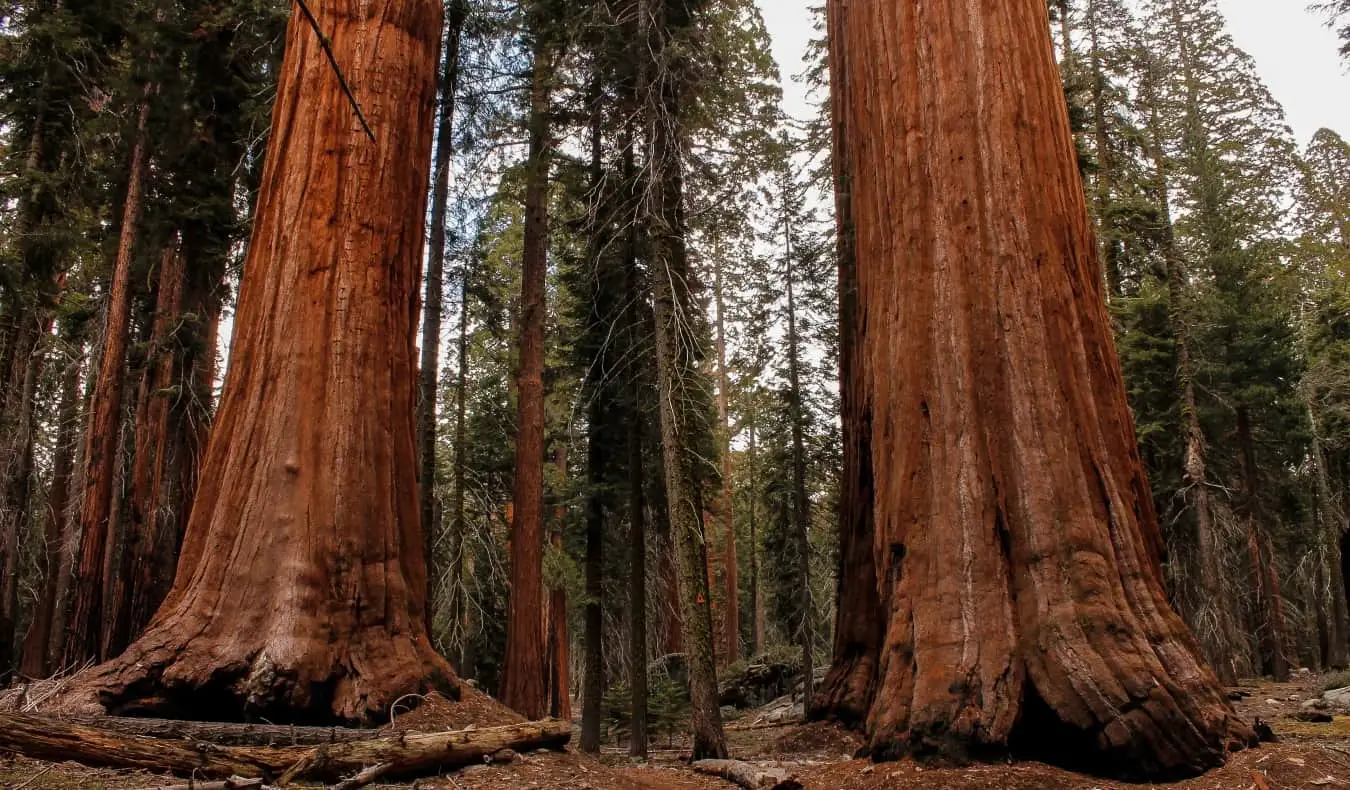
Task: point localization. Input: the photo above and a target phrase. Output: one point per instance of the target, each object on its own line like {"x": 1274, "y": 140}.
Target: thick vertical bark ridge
{"x": 301, "y": 591}
{"x": 731, "y": 615}
{"x": 848, "y": 688}
{"x": 89, "y": 610}
{"x": 1015, "y": 537}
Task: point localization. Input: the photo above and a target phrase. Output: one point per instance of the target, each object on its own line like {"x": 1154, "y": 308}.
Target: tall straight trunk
{"x": 678, "y": 379}
{"x": 559, "y": 644}
{"x": 592, "y": 685}
{"x": 136, "y": 589}
{"x": 801, "y": 504}
{"x": 1015, "y": 531}
{"x": 1211, "y": 620}
{"x": 458, "y": 610}
{"x": 1104, "y": 176}
{"x": 525, "y": 674}
{"x": 637, "y": 585}
{"x": 637, "y": 323}
{"x": 16, "y": 471}
{"x": 37, "y": 655}
{"x": 1270, "y": 628}
{"x": 301, "y": 589}
{"x": 1333, "y": 619}
{"x": 848, "y": 689}
{"x": 756, "y": 590}
{"x": 429, "y": 373}
{"x": 731, "y": 617}
{"x": 90, "y": 613}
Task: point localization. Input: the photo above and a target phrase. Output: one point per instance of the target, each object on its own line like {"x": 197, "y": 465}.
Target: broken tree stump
{"x": 406, "y": 754}
{"x": 749, "y": 775}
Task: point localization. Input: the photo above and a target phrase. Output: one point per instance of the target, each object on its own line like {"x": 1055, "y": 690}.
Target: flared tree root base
{"x": 157, "y": 678}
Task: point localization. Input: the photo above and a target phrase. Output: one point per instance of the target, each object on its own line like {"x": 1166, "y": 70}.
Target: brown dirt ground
{"x": 1307, "y": 756}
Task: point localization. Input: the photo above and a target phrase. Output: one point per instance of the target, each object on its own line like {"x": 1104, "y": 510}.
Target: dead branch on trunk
{"x": 749, "y": 775}
{"x": 397, "y": 754}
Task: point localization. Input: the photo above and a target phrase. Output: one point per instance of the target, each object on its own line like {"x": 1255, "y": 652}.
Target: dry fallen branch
{"x": 227, "y": 733}
{"x": 398, "y": 754}
{"x": 749, "y": 775}
{"x": 233, "y": 783}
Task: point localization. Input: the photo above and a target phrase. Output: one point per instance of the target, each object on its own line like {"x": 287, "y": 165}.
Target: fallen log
{"x": 749, "y": 775}
{"x": 233, "y": 783}
{"x": 227, "y": 733}
{"x": 405, "y": 754}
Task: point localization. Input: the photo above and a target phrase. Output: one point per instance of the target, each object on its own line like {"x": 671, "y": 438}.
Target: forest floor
{"x": 1307, "y": 755}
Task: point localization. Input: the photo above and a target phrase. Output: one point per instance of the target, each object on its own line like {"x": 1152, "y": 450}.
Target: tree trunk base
{"x": 845, "y": 695}
{"x": 164, "y": 675}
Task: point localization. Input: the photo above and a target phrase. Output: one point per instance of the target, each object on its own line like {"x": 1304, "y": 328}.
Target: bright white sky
{"x": 1295, "y": 54}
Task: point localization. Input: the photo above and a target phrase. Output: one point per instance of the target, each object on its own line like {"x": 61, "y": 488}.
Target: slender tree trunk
{"x": 1210, "y": 619}
{"x": 593, "y": 681}
{"x": 301, "y": 590}
{"x": 136, "y": 590}
{"x": 731, "y": 618}
{"x": 559, "y": 648}
{"x": 16, "y": 474}
{"x": 850, "y": 685}
{"x": 801, "y": 504}
{"x": 37, "y": 642}
{"x": 525, "y": 675}
{"x": 456, "y": 605}
{"x": 429, "y": 373}
{"x": 679, "y": 385}
{"x": 90, "y": 613}
{"x": 1016, "y": 536}
{"x": 756, "y": 590}
{"x": 1333, "y": 619}
{"x": 1273, "y": 633}
{"x": 637, "y": 587}
{"x": 637, "y": 322}
{"x": 1104, "y": 176}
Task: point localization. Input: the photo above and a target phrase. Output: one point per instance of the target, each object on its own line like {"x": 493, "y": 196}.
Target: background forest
{"x": 133, "y": 133}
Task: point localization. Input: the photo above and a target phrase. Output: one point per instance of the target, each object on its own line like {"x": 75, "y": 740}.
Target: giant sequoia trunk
{"x": 301, "y": 587}
{"x": 1016, "y": 547}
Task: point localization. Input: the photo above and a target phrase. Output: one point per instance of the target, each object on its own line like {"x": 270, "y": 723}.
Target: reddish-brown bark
{"x": 731, "y": 596}
{"x": 139, "y": 585}
{"x": 84, "y": 628}
{"x": 849, "y": 685}
{"x": 301, "y": 590}
{"x": 37, "y": 642}
{"x": 525, "y": 674}
{"x": 1016, "y": 545}
{"x": 560, "y": 661}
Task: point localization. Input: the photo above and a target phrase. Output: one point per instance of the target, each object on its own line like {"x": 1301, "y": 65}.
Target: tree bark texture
{"x": 525, "y": 674}
{"x": 139, "y": 585}
{"x": 411, "y": 754}
{"x": 637, "y": 321}
{"x": 678, "y": 378}
{"x": 89, "y": 611}
{"x": 849, "y": 686}
{"x": 301, "y": 589}
{"x": 801, "y": 504}
{"x": 1016, "y": 544}
{"x": 559, "y": 643}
